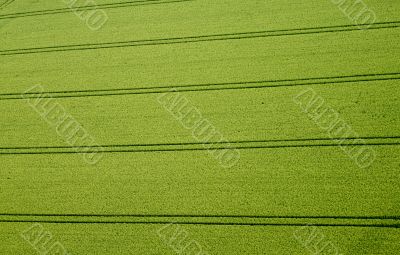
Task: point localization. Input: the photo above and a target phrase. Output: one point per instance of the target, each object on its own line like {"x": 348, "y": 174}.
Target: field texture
{"x": 199, "y": 127}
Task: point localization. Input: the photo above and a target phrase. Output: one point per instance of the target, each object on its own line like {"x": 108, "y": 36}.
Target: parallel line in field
{"x": 6, "y": 3}
{"x": 89, "y": 7}
{"x": 195, "y": 147}
{"x": 395, "y": 225}
{"x": 202, "y": 38}
{"x": 208, "y": 143}
{"x": 191, "y": 149}
{"x": 204, "y": 87}
{"x": 389, "y": 217}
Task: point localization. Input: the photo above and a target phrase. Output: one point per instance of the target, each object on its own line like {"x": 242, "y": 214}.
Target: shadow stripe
{"x": 195, "y": 39}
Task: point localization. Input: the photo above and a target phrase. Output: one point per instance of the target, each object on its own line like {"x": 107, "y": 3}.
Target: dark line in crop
{"x": 192, "y": 39}
{"x": 173, "y": 42}
{"x": 198, "y": 149}
{"x": 183, "y": 88}
{"x": 89, "y": 7}
{"x": 6, "y": 3}
{"x": 206, "y": 143}
{"x": 206, "y": 223}
{"x": 213, "y": 84}
{"x": 195, "y": 37}
{"x": 396, "y": 217}
{"x": 202, "y": 36}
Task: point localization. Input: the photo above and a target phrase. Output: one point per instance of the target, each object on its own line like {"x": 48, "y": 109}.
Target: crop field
{"x": 199, "y": 127}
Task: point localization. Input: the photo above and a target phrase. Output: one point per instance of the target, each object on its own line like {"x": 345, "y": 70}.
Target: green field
{"x": 240, "y": 65}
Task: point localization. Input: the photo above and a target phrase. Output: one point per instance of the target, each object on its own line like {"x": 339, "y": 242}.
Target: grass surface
{"x": 240, "y": 63}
